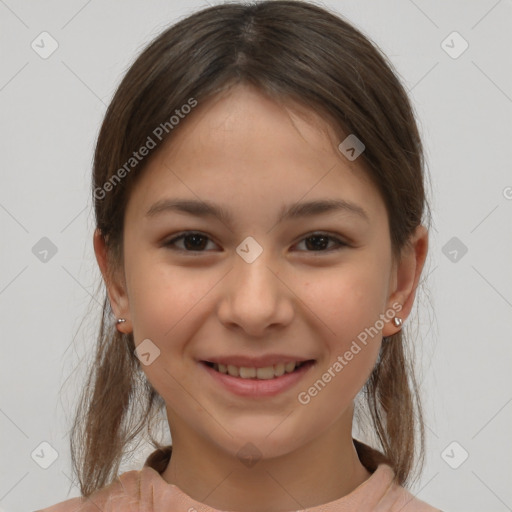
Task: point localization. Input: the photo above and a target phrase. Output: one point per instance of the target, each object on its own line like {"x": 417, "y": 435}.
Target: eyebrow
{"x": 292, "y": 211}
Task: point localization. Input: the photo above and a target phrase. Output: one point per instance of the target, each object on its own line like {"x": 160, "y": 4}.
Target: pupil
{"x": 316, "y": 246}
{"x": 194, "y": 245}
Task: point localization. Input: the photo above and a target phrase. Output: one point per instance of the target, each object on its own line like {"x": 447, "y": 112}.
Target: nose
{"x": 255, "y": 298}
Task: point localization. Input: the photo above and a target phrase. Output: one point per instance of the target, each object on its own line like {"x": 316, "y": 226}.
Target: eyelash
{"x": 339, "y": 243}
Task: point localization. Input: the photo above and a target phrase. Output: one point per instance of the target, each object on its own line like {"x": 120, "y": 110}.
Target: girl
{"x": 259, "y": 198}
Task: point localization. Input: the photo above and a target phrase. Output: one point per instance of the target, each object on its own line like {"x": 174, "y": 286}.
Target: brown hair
{"x": 290, "y": 50}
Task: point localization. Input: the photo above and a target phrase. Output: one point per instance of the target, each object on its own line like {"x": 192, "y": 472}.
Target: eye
{"x": 193, "y": 242}
{"x": 196, "y": 242}
{"x": 320, "y": 242}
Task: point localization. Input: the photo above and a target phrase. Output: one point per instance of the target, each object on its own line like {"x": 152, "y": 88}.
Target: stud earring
{"x": 397, "y": 321}
{"x": 119, "y": 321}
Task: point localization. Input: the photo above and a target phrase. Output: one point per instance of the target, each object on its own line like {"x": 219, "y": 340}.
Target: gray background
{"x": 51, "y": 110}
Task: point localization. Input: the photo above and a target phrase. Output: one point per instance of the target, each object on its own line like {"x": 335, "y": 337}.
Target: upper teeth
{"x": 268, "y": 372}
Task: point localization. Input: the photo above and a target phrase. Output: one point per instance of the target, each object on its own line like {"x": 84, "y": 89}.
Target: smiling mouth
{"x": 265, "y": 373}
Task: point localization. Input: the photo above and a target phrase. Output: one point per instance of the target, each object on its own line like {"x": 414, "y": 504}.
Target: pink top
{"x": 146, "y": 491}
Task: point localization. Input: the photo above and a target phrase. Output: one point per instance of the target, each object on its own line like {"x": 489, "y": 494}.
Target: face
{"x": 252, "y": 290}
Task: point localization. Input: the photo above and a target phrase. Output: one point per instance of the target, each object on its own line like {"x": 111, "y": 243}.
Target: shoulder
{"x": 127, "y": 490}
{"x": 388, "y": 495}
{"x": 397, "y": 498}
{"x": 130, "y": 492}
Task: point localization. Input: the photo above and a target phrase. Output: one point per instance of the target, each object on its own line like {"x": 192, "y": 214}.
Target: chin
{"x": 265, "y": 440}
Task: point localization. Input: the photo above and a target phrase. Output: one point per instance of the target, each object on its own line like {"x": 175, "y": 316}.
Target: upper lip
{"x": 255, "y": 362}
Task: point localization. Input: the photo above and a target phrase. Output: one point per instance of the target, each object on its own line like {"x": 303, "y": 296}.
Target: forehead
{"x": 243, "y": 149}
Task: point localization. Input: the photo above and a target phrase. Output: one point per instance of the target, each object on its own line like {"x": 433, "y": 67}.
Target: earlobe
{"x": 115, "y": 290}
{"x": 407, "y": 276}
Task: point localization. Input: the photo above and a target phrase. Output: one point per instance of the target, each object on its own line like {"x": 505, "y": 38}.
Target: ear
{"x": 116, "y": 289}
{"x": 406, "y": 276}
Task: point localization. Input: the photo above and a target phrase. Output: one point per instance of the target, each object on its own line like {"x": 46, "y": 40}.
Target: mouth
{"x": 271, "y": 372}
{"x": 261, "y": 382}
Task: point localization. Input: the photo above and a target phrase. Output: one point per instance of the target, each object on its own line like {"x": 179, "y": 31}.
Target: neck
{"x": 324, "y": 470}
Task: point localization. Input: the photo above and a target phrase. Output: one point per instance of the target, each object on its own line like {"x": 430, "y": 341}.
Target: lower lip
{"x": 258, "y": 387}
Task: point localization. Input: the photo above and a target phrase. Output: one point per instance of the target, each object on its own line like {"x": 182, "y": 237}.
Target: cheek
{"x": 348, "y": 303}
{"x": 349, "y": 306}
{"x": 346, "y": 300}
{"x": 166, "y": 307}
{"x": 163, "y": 297}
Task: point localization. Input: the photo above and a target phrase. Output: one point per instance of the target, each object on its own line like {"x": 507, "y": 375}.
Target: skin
{"x": 251, "y": 155}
